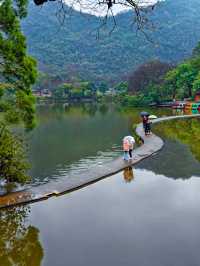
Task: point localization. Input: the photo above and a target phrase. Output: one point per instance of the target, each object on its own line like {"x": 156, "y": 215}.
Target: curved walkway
{"x": 151, "y": 145}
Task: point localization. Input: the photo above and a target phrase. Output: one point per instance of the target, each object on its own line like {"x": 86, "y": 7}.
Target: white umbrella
{"x": 129, "y": 138}
{"x": 153, "y": 117}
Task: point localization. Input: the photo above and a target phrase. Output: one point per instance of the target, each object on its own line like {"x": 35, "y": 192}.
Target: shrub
{"x": 13, "y": 164}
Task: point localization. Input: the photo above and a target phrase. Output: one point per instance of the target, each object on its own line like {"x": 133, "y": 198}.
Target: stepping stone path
{"x": 151, "y": 144}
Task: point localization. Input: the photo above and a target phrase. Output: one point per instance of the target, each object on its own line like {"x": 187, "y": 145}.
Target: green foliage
{"x": 136, "y": 100}
{"x": 13, "y": 164}
{"x": 196, "y": 83}
{"x": 186, "y": 76}
{"x": 121, "y": 87}
{"x": 17, "y": 70}
{"x": 63, "y": 91}
{"x": 103, "y": 87}
{"x": 73, "y": 50}
{"x": 76, "y": 91}
{"x": 196, "y": 51}
{"x": 183, "y": 81}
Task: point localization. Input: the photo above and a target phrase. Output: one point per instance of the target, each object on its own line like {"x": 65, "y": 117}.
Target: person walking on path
{"x": 131, "y": 142}
{"x": 148, "y": 127}
{"x": 131, "y": 145}
{"x": 144, "y": 121}
{"x": 126, "y": 149}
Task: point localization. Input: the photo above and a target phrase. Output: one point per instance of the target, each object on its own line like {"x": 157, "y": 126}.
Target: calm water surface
{"x": 75, "y": 138}
{"x": 147, "y": 217}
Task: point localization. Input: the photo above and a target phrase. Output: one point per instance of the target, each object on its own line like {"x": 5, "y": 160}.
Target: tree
{"x": 63, "y": 91}
{"x": 88, "y": 89}
{"x": 196, "y": 51}
{"x": 171, "y": 82}
{"x": 17, "y": 69}
{"x": 122, "y": 87}
{"x": 196, "y": 83}
{"x": 186, "y": 76}
{"x": 180, "y": 80}
{"x": 17, "y": 104}
{"x": 13, "y": 164}
{"x": 152, "y": 72}
{"x": 103, "y": 87}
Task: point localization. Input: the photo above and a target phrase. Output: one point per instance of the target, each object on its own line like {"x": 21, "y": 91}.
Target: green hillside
{"x": 72, "y": 50}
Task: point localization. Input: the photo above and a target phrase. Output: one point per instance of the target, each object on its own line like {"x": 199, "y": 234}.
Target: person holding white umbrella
{"x": 131, "y": 142}
{"x": 126, "y": 149}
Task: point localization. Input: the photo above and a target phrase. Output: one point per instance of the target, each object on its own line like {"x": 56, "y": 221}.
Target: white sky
{"x": 93, "y": 6}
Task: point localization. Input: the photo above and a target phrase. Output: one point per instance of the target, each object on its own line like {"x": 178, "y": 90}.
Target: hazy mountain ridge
{"x": 73, "y": 50}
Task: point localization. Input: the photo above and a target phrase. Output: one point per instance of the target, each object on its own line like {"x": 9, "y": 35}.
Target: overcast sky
{"x": 92, "y": 6}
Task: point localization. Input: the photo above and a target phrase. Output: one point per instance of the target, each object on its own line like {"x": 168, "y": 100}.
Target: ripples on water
{"x": 65, "y": 171}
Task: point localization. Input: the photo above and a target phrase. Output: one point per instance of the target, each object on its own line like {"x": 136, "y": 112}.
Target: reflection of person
{"x": 128, "y": 174}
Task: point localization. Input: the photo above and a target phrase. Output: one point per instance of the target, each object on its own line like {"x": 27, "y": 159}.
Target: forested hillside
{"x": 72, "y": 50}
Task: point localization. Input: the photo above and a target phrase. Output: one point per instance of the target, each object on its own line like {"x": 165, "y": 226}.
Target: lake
{"x": 75, "y": 138}
{"x": 145, "y": 216}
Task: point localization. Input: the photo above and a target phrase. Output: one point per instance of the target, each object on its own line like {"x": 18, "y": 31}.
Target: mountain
{"x": 71, "y": 49}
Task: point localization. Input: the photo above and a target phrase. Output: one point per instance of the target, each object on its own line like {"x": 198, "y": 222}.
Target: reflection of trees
{"x": 103, "y": 108}
{"x": 186, "y": 131}
{"x": 181, "y": 155}
{"x": 90, "y": 109}
{"x": 19, "y": 243}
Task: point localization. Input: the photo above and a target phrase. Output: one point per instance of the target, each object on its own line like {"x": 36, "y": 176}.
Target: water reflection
{"x": 180, "y": 157}
{"x": 175, "y": 161}
{"x": 152, "y": 221}
{"x": 70, "y": 138}
{"x": 19, "y": 243}
{"x": 186, "y": 131}
{"x": 128, "y": 174}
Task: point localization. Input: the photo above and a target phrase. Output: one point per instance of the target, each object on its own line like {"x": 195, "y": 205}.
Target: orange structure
{"x": 197, "y": 97}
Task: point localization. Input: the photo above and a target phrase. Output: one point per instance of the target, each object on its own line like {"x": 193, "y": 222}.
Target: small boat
{"x": 179, "y": 105}
{"x": 165, "y": 104}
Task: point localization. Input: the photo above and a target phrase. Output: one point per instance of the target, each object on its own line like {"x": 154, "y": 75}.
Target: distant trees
{"x": 184, "y": 80}
{"x": 76, "y": 91}
{"x": 181, "y": 79}
{"x": 121, "y": 87}
{"x": 152, "y": 72}
{"x": 156, "y": 81}
{"x": 196, "y": 51}
{"x": 103, "y": 87}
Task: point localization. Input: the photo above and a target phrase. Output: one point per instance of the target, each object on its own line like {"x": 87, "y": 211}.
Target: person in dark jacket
{"x": 147, "y": 127}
